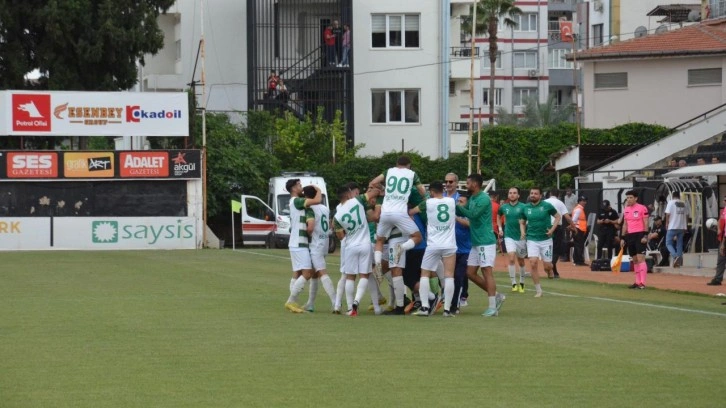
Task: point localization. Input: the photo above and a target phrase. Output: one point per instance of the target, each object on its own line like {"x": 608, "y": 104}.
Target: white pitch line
{"x": 630, "y": 302}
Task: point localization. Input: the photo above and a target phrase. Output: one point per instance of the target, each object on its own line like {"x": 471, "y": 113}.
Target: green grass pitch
{"x": 208, "y": 329}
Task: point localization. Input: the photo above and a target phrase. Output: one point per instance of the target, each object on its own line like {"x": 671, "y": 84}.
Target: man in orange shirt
{"x": 579, "y": 220}
{"x": 494, "y": 196}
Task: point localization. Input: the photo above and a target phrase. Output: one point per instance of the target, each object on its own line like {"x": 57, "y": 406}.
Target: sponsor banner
{"x": 59, "y": 113}
{"x": 24, "y": 233}
{"x": 31, "y": 165}
{"x": 124, "y": 233}
{"x": 144, "y": 163}
{"x": 185, "y": 164}
{"x": 88, "y": 164}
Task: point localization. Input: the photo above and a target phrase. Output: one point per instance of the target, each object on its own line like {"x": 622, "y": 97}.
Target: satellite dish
{"x": 641, "y": 32}
{"x": 694, "y": 15}
{"x": 661, "y": 29}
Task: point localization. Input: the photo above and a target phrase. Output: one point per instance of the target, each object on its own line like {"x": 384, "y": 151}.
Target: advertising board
{"x": 24, "y": 233}
{"x": 63, "y": 113}
{"x": 97, "y": 233}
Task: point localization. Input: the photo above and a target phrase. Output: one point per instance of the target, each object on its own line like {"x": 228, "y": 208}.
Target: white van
{"x": 279, "y": 201}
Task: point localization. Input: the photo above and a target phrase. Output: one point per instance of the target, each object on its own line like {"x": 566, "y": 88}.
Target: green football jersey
{"x": 512, "y": 214}
{"x": 538, "y": 220}
{"x": 478, "y": 210}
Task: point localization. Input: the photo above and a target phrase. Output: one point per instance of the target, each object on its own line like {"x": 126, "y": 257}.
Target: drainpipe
{"x": 444, "y": 73}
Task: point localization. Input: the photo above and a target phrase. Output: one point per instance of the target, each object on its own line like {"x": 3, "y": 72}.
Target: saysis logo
{"x": 109, "y": 232}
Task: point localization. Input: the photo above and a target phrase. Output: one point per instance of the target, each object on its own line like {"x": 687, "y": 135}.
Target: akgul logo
{"x": 134, "y": 114}
{"x": 31, "y": 112}
{"x": 181, "y": 167}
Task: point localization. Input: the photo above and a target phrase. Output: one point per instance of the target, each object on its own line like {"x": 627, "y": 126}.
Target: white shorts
{"x": 540, "y": 249}
{"x": 357, "y": 259}
{"x": 318, "y": 259}
{"x": 517, "y": 246}
{"x": 389, "y": 253}
{"x": 432, "y": 257}
{"x": 300, "y": 259}
{"x": 400, "y": 220}
{"x": 482, "y": 256}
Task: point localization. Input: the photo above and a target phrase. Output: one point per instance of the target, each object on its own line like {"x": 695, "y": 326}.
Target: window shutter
{"x": 394, "y": 23}
{"x": 412, "y": 23}
{"x": 611, "y": 80}
{"x": 378, "y": 23}
{"x": 705, "y": 76}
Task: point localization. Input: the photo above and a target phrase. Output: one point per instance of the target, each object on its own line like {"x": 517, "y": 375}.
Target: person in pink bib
{"x": 635, "y": 230}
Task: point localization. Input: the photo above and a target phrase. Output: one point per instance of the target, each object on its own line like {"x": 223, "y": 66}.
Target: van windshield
{"x": 283, "y": 204}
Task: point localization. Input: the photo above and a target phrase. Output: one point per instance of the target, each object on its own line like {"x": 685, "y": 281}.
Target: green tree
{"x": 537, "y": 114}
{"x": 79, "y": 45}
{"x": 488, "y": 15}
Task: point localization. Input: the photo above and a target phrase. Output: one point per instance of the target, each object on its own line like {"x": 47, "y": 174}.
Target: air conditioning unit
{"x": 533, "y": 73}
{"x": 597, "y": 5}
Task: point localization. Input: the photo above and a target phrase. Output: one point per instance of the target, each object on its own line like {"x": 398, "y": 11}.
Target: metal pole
{"x": 204, "y": 130}
{"x": 471, "y": 84}
{"x": 478, "y": 145}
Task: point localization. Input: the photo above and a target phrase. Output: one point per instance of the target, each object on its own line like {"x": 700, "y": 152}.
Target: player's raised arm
{"x": 309, "y": 202}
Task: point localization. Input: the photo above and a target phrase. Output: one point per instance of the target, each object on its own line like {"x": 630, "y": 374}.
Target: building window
{"x": 177, "y": 46}
{"x": 395, "y": 106}
{"x": 497, "y": 64}
{"x": 526, "y": 22}
{"x": 452, "y": 88}
{"x": 557, "y": 59}
{"x": 520, "y": 95}
{"x": 706, "y": 76}
{"x": 597, "y": 34}
{"x": 497, "y": 97}
{"x": 395, "y": 30}
{"x": 525, "y": 60}
{"x": 612, "y": 80}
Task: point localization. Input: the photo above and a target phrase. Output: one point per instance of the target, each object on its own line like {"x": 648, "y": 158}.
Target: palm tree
{"x": 545, "y": 114}
{"x": 488, "y": 15}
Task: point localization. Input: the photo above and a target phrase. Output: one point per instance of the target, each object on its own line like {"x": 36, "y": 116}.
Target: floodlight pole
{"x": 471, "y": 86}
{"x": 204, "y": 129}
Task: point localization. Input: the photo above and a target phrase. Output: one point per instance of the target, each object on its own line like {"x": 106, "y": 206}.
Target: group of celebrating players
{"x": 383, "y": 220}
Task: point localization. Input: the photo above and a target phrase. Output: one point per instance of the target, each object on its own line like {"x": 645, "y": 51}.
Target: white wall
{"x": 634, "y": 14}
{"x": 400, "y": 69}
{"x": 225, "y": 37}
{"x": 657, "y": 92}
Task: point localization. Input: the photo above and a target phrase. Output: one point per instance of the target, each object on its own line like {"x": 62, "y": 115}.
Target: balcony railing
{"x": 463, "y": 126}
{"x": 570, "y": 2}
{"x": 464, "y": 51}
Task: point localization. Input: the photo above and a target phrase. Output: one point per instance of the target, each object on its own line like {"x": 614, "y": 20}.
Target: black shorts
{"x": 634, "y": 244}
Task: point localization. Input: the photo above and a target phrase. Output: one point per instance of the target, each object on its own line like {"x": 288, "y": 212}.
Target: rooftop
{"x": 705, "y": 38}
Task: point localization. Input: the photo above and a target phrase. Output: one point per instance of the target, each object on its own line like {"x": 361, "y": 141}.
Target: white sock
{"x": 377, "y": 256}
{"x": 424, "y": 290}
{"x": 492, "y": 302}
{"x": 374, "y": 296}
{"x": 313, "y": 292}
{"x": 391, "y": 293}
{"x": 362, "y": 287}
{"x": 522, "y": 272}
{"x": 297, "y": 287}
{"x": 448, "y": 293}
{"x": 408, "y": 245}
{"x": 340, "y": 290}
{"x": 399, "y": 290}
{"x": 538, "y": 288}
{"x": 292, "y": 282}
{"x": 349, "y": 289}
{"x": 512, "y": 274}
{"x": 328, "y": 286}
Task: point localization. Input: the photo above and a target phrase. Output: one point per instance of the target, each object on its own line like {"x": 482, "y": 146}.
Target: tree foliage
{"x": 89, "y": 45}
{"x": 537, "y": 114}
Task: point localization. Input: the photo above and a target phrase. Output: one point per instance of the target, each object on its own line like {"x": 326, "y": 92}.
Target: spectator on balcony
{"x": 272, "y": 81}
{"x": 715, "y": 160}
{"x": 329, "y": 39}
{"x": 282, "y": 93}
{"x": 338, "y": 33}
{"x": 673, "y": 163}
{"x": 346, "y": 46}
{"x": 682, "y": 163}
{"x": 700, "y": 161}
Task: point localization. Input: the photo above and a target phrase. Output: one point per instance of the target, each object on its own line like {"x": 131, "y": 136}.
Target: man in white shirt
{"x": 676, "y": 223}
{"x": 570, "y": 200}
{"x": 558, "y": 245}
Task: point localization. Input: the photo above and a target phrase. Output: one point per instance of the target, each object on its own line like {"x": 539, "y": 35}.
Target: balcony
{"x": 461, "y": 62}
